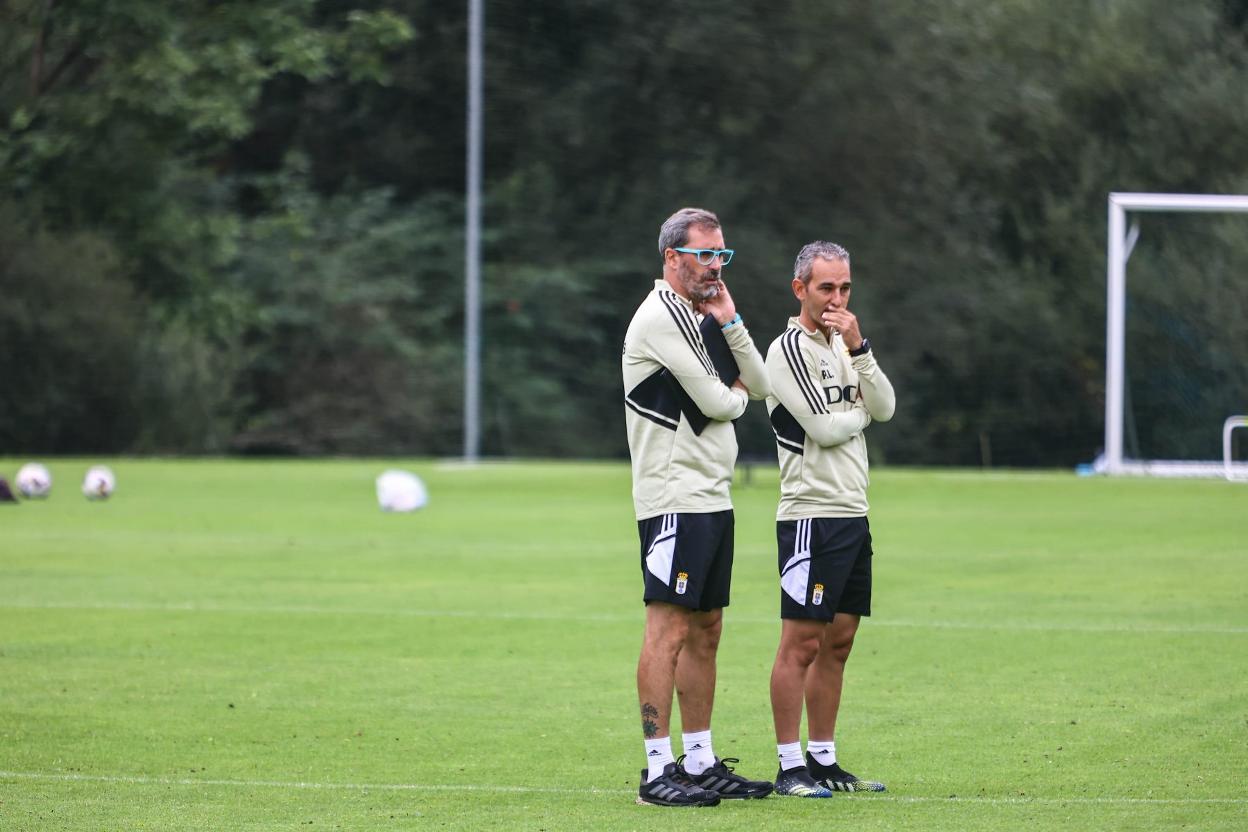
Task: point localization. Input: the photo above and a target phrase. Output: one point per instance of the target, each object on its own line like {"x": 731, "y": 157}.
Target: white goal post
{"x": 1232, "y": 471}
{"x": 1121, "y": 241}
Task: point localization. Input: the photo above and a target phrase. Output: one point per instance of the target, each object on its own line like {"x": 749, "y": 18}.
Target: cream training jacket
{"x": 674, "y": 469}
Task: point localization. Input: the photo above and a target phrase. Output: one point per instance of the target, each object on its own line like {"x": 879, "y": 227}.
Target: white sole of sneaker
{"x": 640, "y": 801}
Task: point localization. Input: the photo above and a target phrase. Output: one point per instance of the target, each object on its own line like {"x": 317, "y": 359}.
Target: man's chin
{"x": 704, "y": 292}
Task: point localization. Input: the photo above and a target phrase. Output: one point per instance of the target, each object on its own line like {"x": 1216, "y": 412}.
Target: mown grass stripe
{"x": 302, "y": 609}
{"x": 478, "y": 787}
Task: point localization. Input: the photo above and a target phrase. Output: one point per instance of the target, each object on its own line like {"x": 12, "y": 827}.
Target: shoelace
{"x": 679, "y": 775}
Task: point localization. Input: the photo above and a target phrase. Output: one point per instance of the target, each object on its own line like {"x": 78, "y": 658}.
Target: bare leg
{"x": 799, "y": 645}
{"x": 667, "y": 625}
{"x": 695, "y": 670}
{"x": 826, "y": 676}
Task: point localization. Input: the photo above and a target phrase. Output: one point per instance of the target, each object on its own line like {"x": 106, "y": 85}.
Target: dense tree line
{"x": 230, "y": 227}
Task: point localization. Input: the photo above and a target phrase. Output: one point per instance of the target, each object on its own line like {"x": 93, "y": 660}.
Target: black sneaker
{"x": 674, "y": 787}
{"x": 797, "y": 782}
{"x": 720, "y": 778}
{"x": 839, "y": 780}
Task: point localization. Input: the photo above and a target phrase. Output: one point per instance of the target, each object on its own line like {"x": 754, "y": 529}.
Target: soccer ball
{"x": 34, "y": 481}
{"x": 401, "y": 491}
{"x": 99, "y": 483}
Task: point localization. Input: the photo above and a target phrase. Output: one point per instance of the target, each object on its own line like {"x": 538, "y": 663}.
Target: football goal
{"x": 1200, "y": 369}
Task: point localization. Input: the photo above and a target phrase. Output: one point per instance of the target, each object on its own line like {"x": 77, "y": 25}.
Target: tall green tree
{"x": 115, "y": 122}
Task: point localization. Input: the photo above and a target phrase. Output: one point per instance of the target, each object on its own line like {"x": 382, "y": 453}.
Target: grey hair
{"x": 805, "y": 262}
{"x": 675, "y": 230}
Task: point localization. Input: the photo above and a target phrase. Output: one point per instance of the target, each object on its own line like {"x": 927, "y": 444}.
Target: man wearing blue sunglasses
{"x": 689, "y": 368}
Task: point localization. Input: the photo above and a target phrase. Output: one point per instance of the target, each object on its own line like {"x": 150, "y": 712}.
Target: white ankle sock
{"x": 823, "y": 753}
{"x": 790, "y": 755}
{"x": 658, "y": 755}
{"x": 698, "y": 754}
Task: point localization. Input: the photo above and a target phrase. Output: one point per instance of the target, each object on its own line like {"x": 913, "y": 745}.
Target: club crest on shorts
{"x": 682, "y": 582}
{"x": 817, "y": 596}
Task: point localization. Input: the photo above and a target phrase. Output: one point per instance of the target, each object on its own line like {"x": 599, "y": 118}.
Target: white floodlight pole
{"x": 1119, "y": 249}
{"x": 472, "y": 240}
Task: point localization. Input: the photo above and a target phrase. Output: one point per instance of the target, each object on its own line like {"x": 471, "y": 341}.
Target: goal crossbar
{"x": 1119, "y": 249}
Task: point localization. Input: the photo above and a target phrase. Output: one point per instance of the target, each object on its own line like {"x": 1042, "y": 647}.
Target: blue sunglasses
{"x": 706, "y": 256}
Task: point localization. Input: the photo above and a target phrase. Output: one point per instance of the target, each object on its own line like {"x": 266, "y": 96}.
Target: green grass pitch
{"x": 253, "y": 645}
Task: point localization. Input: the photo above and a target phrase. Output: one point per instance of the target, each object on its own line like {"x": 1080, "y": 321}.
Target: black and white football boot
{"x": 723, "y": 779}
{"x": 839, "y": 780}
{"x": 674, "y": 787}
{"x": 797, "y": 782}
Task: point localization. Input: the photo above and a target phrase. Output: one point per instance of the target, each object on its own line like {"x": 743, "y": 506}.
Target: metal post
{"x": 472, "y": 239}
{"x": 1114, "y": 339}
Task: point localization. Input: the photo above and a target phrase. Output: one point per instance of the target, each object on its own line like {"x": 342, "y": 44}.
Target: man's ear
{"x": 799, "y": 289}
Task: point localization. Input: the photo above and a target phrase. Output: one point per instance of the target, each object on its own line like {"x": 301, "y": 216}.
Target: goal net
{"x": 1177, "y": 336}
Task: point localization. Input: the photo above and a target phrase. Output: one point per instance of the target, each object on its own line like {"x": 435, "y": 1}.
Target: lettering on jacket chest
{"x": 834, "y": 393}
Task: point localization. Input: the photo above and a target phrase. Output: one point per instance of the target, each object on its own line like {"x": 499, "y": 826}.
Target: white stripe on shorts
{"x": 659, "y": 555}
{"x": 796, "y": 573}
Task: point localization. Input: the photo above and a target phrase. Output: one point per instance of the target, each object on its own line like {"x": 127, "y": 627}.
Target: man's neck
{"x": 674, "y": 285}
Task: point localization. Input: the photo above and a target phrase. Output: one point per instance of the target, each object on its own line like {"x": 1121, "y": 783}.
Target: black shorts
{"x": 825, "y": 567}
{"x": 686, "y": 559}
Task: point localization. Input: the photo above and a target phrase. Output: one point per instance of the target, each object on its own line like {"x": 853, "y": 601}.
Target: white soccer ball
{"x": 401, "y": 491}
{"x": 99, "y": 483}
{"x": 34, "y": 481}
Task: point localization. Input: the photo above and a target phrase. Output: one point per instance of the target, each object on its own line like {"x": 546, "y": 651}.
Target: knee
{"x": 838, "y": 649}
{"x": 667, "y": 639}
{"x": 800, "y": 651}
{"x": 706, "y": 641}
{"x": 704, "y": 637}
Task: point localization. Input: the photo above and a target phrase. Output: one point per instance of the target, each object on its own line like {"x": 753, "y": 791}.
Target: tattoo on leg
{"x": 648, "y": 714}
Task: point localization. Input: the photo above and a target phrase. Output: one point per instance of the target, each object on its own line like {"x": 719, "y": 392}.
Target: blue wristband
{"x": 732, "y": 323}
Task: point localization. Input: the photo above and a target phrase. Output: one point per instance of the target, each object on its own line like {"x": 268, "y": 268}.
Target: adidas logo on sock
{"x": 656, "y": 753}
{"x": 696, "y": 747}
{"x": 823, "y": 751}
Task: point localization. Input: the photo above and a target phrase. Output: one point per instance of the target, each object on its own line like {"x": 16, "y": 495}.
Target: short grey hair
{"x": 675, "y": 230}
{"x": 805, "y": 262}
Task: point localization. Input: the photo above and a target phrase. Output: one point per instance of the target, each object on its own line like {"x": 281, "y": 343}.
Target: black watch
{"x": 863, "y": 349}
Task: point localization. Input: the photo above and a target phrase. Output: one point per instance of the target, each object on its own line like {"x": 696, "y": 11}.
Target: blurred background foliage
{"x": 237, "y": 228}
